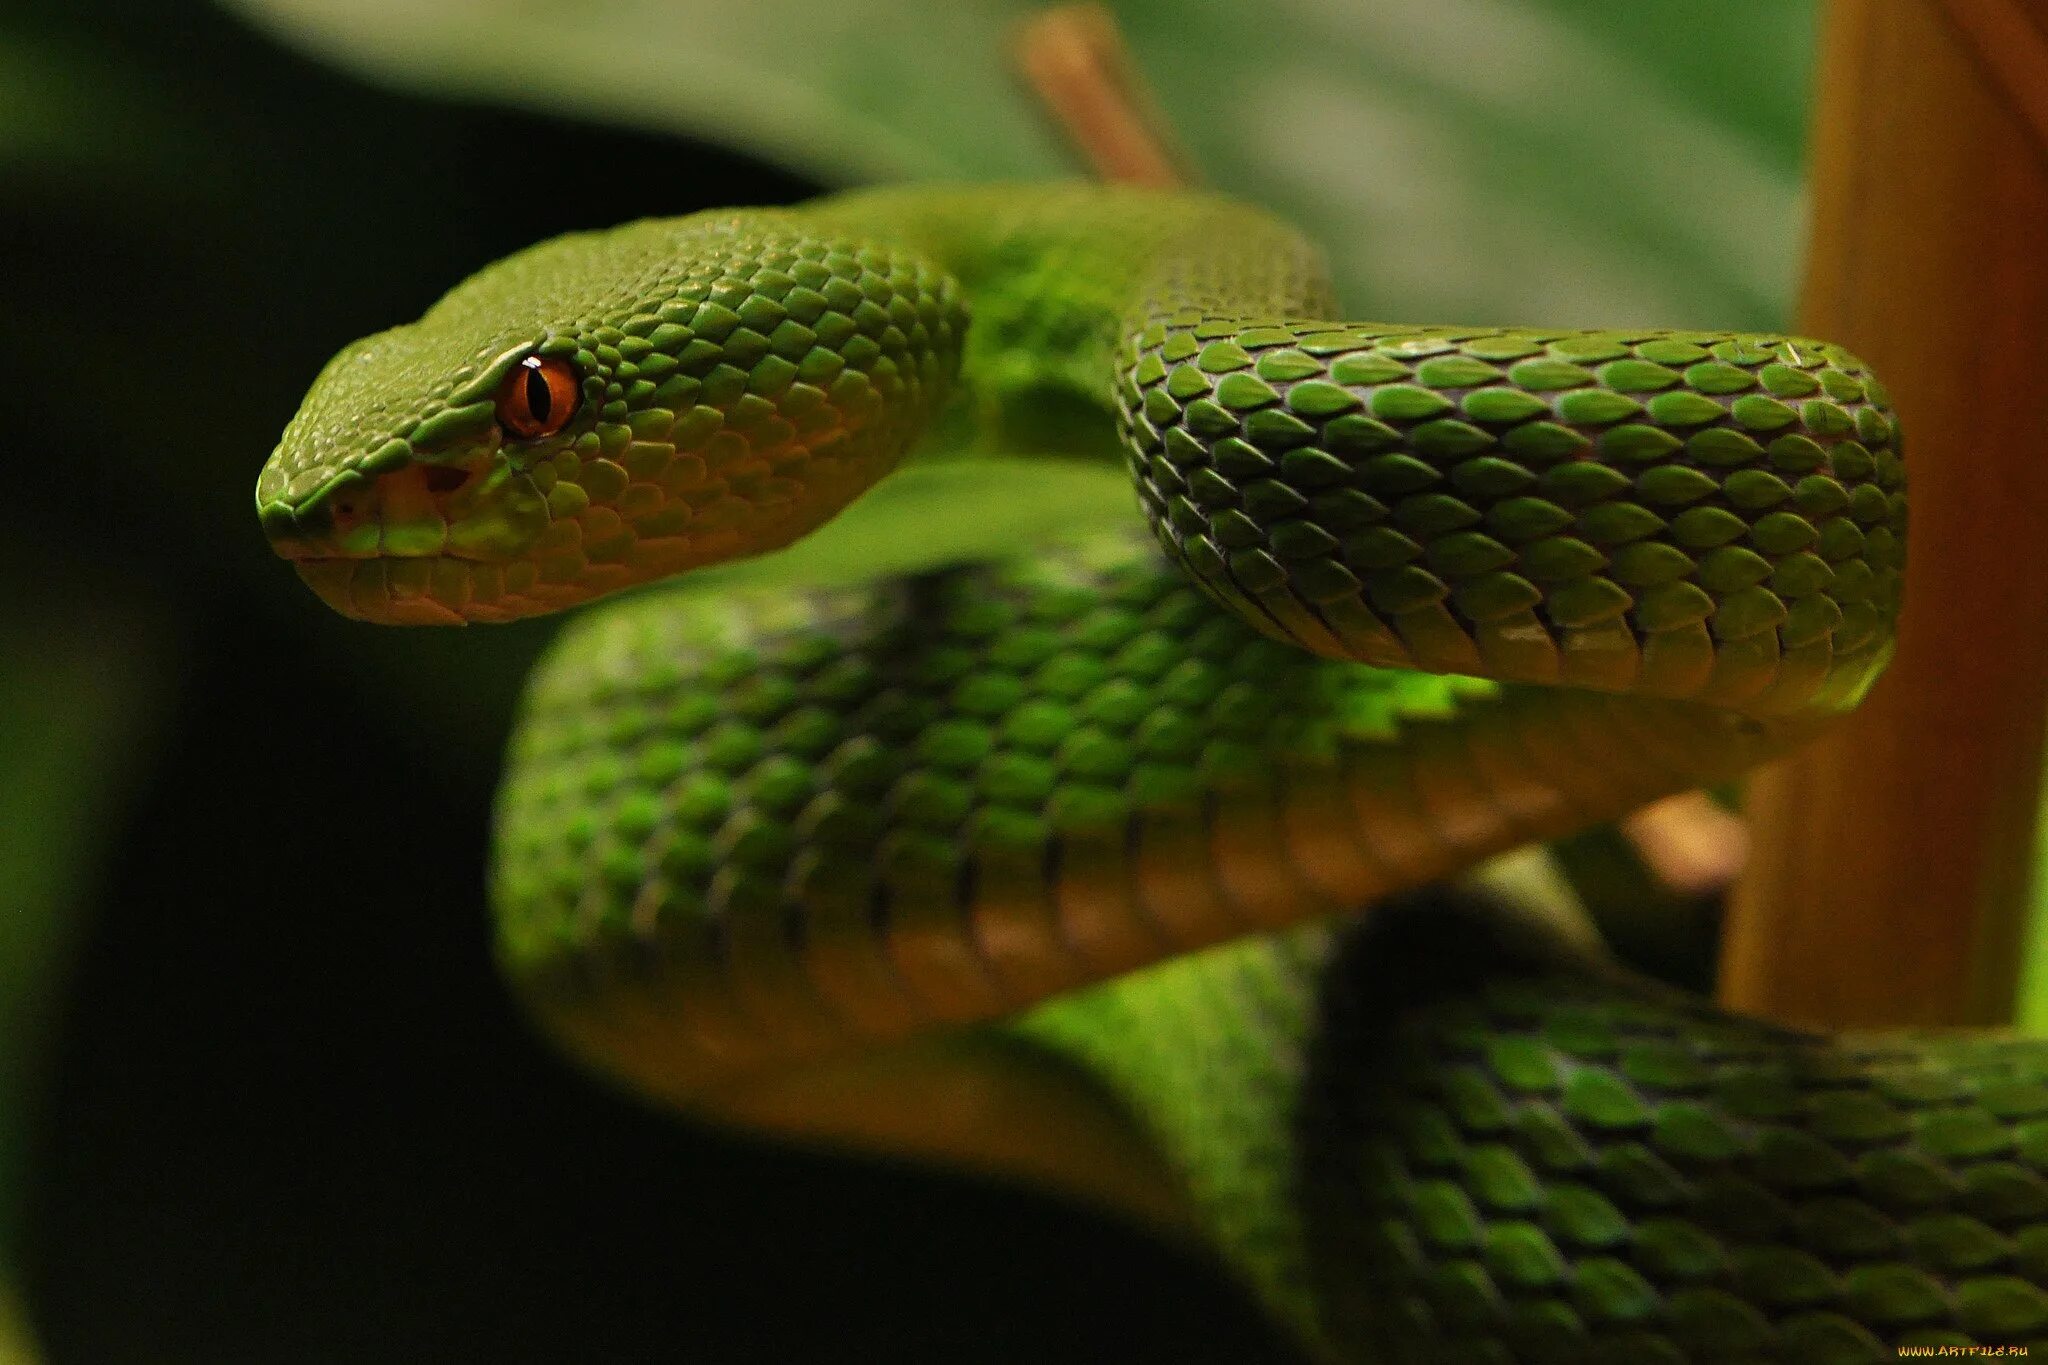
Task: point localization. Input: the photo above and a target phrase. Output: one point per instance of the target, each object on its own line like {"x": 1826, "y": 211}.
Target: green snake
{"x": 977, "y": 823}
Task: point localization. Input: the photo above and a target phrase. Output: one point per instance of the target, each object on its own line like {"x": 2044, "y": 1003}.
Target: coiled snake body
{"x": 876, "y": 837}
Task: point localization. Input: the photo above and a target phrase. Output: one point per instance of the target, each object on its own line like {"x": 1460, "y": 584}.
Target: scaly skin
{"x": 868, "y": 839}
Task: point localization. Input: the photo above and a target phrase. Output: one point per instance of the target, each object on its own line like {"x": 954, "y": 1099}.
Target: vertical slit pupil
{"x": 540, "y": 399}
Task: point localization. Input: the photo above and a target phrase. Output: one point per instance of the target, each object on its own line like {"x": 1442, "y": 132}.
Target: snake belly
{"x": 979, "y": 822}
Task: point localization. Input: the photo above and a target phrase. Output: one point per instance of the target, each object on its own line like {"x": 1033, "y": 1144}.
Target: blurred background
{"x": 261, "y": 1097}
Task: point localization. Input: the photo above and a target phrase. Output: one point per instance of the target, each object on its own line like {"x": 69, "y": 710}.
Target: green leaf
{"x": 1661, "y": 187}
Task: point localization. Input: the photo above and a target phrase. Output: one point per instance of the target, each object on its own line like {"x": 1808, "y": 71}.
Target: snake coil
{"x": 972, "y": 822}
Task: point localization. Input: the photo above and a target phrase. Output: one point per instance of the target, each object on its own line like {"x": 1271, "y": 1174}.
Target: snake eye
{"x": 538, "y": 398}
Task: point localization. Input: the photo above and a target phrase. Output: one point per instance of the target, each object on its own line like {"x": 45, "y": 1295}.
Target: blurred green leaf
{"x": 69, "y": 113}
{"x": 1466, "y": 160}
{"x": 76, "y": 689}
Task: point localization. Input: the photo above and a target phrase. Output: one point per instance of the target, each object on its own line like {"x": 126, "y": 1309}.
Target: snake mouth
{"x": 417, "y": 511}
{"x": 413, "y": 546}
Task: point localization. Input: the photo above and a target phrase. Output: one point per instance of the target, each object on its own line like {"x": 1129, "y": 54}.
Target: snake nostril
{"x": 442, "y": 480}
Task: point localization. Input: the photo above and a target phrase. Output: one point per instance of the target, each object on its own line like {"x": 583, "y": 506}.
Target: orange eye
{"x": 538, "y": 398}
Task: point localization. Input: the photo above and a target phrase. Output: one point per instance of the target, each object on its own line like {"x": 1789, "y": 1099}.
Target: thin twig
{"x": 1074, "y": 60}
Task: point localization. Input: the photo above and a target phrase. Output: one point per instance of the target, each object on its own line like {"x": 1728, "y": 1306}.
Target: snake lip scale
{"x": 920, "y": 797}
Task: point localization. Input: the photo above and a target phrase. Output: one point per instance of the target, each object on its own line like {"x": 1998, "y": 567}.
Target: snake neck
{"x": 1059, "y": 281}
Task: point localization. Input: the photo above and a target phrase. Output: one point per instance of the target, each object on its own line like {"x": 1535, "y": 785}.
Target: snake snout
{"x": 405, "y": 513}
{"x": 418, "y": 543}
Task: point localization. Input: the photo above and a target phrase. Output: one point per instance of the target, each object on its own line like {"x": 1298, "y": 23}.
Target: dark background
{"x": 290, "y": 1114}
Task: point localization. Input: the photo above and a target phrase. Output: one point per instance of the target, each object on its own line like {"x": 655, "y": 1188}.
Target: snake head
{"x": 605, "y": 409}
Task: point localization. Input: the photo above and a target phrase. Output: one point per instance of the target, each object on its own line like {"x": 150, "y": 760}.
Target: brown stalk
{"x": 1891, "y": 868}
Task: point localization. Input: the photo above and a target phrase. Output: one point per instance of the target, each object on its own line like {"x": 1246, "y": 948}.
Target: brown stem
{"x": 2013, "y": 52}
{"x": 1890, "y": 875}
{"x": 1074, "y": 59}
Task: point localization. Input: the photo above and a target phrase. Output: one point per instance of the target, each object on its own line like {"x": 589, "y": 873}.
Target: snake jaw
{"x": 366, "y": 590}
{"x": 436, "y": 590}
{"x": 421, "y": 543}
